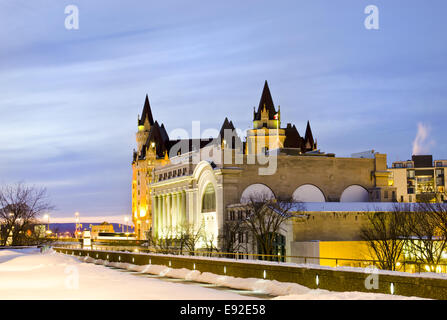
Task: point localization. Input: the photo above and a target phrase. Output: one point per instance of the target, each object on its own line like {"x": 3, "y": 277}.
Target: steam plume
{"x": 421, "y": 145}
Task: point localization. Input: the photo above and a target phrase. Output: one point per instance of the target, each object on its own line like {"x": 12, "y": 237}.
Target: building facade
{"x": 182, "y": 183}
{"x": 419, "y": 179}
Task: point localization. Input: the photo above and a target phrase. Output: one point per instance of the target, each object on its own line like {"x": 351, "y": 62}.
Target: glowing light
{"x": 225, "y": 270}
{"x": 265, "y": 274}
{"x": 317, "y": 280}
{"x": 142, "y": 212}
{"x": 392, "y": 288}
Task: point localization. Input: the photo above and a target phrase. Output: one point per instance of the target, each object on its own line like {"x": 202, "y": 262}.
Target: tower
{"x": 151, "y": 150}
{"x": 144, "y": 124}
{"x": 266, "y": 133}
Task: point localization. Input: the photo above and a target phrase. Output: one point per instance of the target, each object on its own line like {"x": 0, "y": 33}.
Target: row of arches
{"x": 305, "y": 193}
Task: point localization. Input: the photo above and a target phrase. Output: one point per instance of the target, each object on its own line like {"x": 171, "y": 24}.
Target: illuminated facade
{"x": 150, "y": 153}
{"x": 419, "y": 179}
{"x": 195, "y": 182}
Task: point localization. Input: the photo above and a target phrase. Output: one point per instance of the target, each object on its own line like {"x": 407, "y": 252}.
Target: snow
{"x": 28, "y": 274}
{"x": 430, "y": 275}
{"x": 283, "y": 290}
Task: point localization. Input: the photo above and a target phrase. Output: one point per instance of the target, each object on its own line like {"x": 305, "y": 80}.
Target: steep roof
{"x": 293, "y": 138}
{"x": 155, "y": 136}
{"x": 308, "y": 136}
{"x": 147, "y": 113}
{"x": 267, "y": 101}
{"x": 227, "y": 125}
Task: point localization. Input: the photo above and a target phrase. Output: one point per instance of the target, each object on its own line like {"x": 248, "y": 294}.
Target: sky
{"x": 69, "y": 99}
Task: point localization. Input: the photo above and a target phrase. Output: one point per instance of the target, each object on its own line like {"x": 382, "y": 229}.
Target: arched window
{"x": 308, "y": 193}
{"x": 209, "y": 199}
{"x": 354, "y": 193}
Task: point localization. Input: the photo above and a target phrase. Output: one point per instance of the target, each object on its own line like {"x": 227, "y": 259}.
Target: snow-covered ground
{"x": 27, "y": 274}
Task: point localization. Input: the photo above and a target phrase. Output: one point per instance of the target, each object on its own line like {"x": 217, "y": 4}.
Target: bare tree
{"x": 266, "y": 215}
{"x": 385, "y": 235}
{"x": 426, "y": 233}
{"x": 230, "y": 234}
{"x": 209, "y": 242}
{"x": 163, "y": 243}
{"x": 190, "y": 236}
{"x": 20, "y": 207}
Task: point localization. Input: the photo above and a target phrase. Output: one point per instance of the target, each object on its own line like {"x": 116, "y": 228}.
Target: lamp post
{"x": 126, "y": 220}
{"x": 47, "y": 217}
{"x": 77, "y": 224}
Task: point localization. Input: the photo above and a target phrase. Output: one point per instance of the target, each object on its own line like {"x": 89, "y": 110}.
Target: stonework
{"x": 171, "y": 190}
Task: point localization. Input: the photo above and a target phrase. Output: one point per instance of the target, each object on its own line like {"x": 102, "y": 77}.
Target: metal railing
{"x": 402, "y": 266}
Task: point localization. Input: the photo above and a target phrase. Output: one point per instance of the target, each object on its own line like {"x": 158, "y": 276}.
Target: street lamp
{"x": 47, "y": 217}
{"x": 126, "y": 220}
{"x": 77, "y": 224}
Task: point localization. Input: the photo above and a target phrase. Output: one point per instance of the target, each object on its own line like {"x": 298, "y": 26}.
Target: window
{"x": 209, "y": 199}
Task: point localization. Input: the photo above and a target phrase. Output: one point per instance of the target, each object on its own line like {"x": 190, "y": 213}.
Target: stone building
{"x": 200, "y": 182}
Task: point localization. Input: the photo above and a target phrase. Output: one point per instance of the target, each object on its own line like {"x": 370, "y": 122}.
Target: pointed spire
{"x": 226, "y": 125}
{"x": 308, "y": 138}
{"x": 265, "y": 102}
{"x": 147, "y": 113}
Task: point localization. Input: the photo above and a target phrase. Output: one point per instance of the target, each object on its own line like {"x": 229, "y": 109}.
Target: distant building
{"x": 103, "y": 227}
{"x": 419, "y": 179}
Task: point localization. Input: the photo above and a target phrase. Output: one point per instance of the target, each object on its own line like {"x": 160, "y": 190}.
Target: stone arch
{"x": 308, "y": 193}
{"x": 355, "y": 193}
{"x": 207, "y": 215}
{"x": 257, "y": 191}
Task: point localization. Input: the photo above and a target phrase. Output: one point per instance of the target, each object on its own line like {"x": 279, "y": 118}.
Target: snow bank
{"x": 430, "y": 275}
{"x": 284, "y": 290}
{"x": 31, "y": 275}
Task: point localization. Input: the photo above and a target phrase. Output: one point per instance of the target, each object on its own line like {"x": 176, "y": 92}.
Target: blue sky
{"x": 69, "y": 99}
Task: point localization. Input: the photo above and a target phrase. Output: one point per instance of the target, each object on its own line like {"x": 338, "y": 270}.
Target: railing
{"x": 403, "y": 266}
